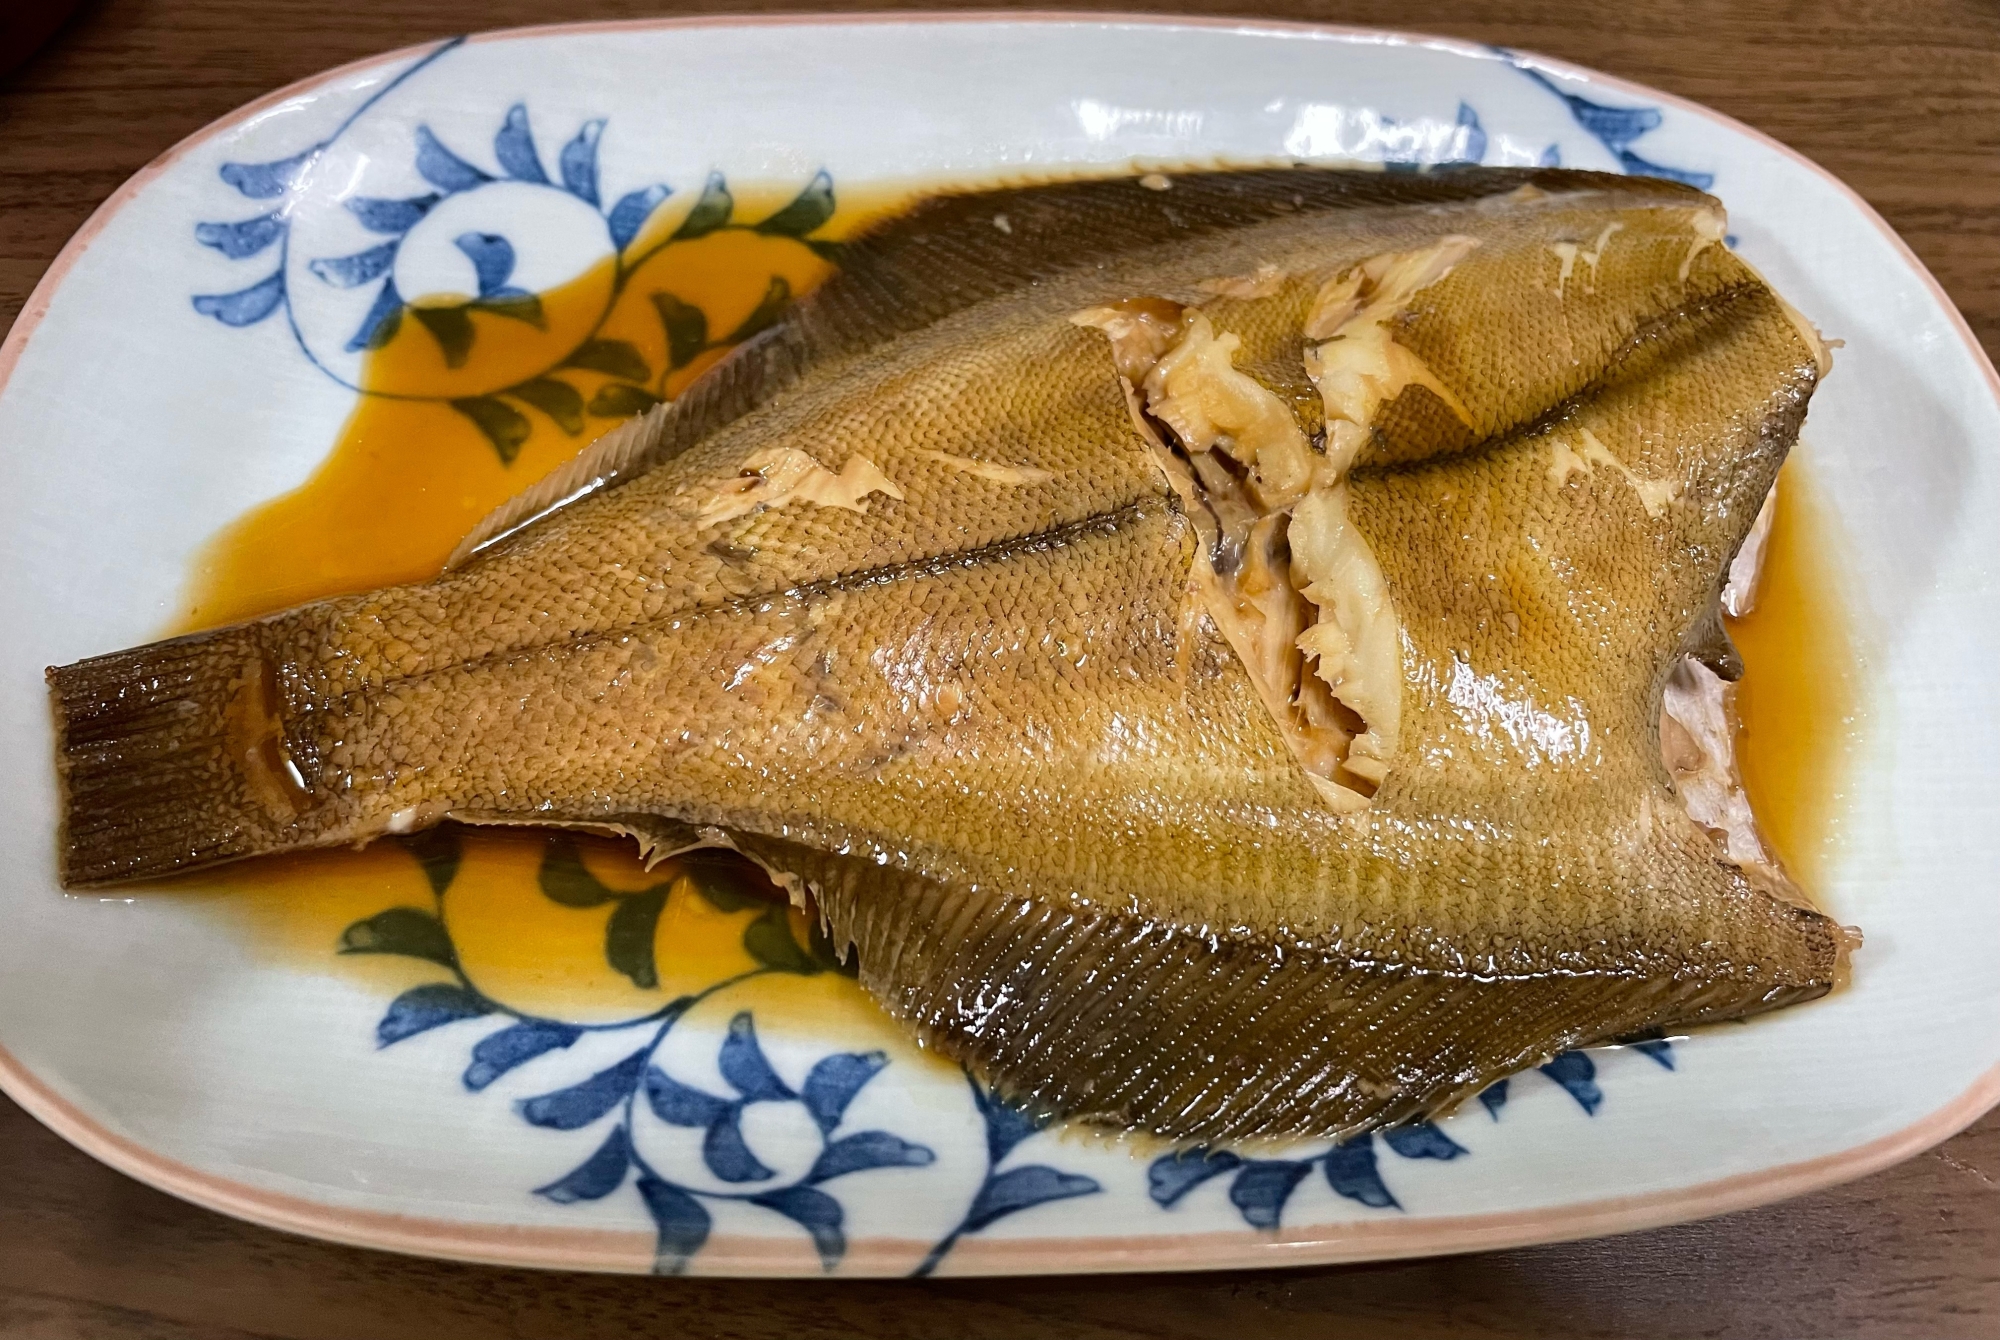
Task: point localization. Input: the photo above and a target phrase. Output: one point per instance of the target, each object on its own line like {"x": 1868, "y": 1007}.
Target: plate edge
{"x": 631, "y": 1251}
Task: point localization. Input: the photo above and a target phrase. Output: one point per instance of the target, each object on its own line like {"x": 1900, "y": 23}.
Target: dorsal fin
{"x": 952, "y": 251}
{"x": 750, "y": 375}
{"x": 596, "y": 465}
{"x": 948, "y": 252}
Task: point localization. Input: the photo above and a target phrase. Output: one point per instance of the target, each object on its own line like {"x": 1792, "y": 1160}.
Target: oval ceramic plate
{"x": 194, "y": 352}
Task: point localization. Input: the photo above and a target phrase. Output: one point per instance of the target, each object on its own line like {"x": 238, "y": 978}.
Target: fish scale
{"x": 915, "y": 603}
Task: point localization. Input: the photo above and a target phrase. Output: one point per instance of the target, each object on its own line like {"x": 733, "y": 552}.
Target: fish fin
{"x": 1084, "y": 1013}
{"x": 753, "y": 373}
{"x": 1709, "y": 642}
{"x": 597, "y": 465}
{"x": 659, "y": 838}
{"x": 947, "y": 253}
{"x": 175, "y": 755}
{"x": 950, "y": 251}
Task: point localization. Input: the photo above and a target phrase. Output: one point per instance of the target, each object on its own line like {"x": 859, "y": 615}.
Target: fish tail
{"x": 172, "y": 755}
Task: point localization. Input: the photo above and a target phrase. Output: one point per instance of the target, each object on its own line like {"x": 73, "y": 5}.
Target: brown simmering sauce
{"x": 408, "y": 477}
{"x": 1798, "y": 700}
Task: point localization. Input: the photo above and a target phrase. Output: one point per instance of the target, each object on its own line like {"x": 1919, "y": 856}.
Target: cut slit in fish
{"x": 977, "y": 665}
{"x": 1289, "y": 582}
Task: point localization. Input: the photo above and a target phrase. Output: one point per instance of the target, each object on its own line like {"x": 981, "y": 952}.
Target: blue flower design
{"x": 1616, "y": 128}
{"x": 1261, "y": 1187}
{"x": 286, "y": 185}
{"x": 492, "y": 254}
{"x": 681, "y": 1210}
{"x": 1003, "y": 1193}
{"x": 278, "y": 180}
{"x": 1467, "y": 146}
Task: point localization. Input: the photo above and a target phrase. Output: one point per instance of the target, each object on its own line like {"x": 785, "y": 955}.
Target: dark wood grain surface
{"x": 1901, "y": 98}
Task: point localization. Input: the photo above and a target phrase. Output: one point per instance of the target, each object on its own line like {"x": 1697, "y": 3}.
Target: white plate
{"x": 136, "y": 422}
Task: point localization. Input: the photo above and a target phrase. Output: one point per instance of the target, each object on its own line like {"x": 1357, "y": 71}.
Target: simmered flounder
{"x": 1202, "y": 648}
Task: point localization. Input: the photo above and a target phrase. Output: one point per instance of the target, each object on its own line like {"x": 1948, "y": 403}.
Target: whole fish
{"x": 1200, "y": 641}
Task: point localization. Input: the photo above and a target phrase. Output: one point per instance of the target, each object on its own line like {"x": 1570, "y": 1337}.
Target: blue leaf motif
{"x": 240, "y": 240}
{"x": 1021, "y": 1189}
{"x": 354, "y": 271}
{"x": 1551, "y": 157}
{"x": 1006, "y": 1126}
{"x": 267, "y": 181}
{"x": 1578, "y": 1075}
{"x": 868, "y": 1149}
{"x": 497, "y": 1053}
{"x": 1262, "y": 1188}
{"x": 1172, "y": 1176}
{"x": 832, "y": 1083}
{"x": 1494, "y": 1097}
{"x": 1350, "y": 1171}
{"x": 680, "y": 1219}
{"x": 492, "y": 258}
{"x": 711, "y": 210}
{"x": 742, "y": 1063}
{"x": 723, "y": 1150}
{"x": 579, "y": 162}
{"x": 1660, "y": 1050}
{"x": 1473, "y": 147}
{"x": 245, "y": 306}
{"x": 408, "y": 931}
{"x": 1422, "y": 1141}
{"x": 597, "y": 1176}
{"x": 577, "y": 1106}
{"x": 680, "y": 1104}
{"x": 514, "y": 147}
{"x": 384, "y": 316}
{"x": 1644, "y": 167}
{"x": 816, "y": 1212}
{"x": 444, "y": 169}
{"x": 1615, "y": 128}
{"x": 423, "y": 1008}
{"x": 390, "y": 216}
{"x": 809, "y": 209}
{"x": 632, "y": 211}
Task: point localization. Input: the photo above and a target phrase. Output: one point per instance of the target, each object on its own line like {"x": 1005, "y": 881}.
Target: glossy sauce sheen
{"x": 408, "y": 478}
{"x": 1798, "y": 699}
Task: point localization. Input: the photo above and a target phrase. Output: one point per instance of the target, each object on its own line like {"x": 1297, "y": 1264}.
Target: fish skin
{"x": 988, "y": 724}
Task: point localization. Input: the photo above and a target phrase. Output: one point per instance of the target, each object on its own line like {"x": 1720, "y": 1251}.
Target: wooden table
{"x": 1899, "y": 97}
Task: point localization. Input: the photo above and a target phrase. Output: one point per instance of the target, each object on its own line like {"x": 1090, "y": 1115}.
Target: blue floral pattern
{"x": 493, "y": 258}
{"x": 1004, "y": 1193}
{"x": 677, "y": 1209}
{"x": 639, "y": 1086}
{"x": 1261, "y": 1187}
{"x": 277, "y": 181}
{"x": 1616, "y": 128}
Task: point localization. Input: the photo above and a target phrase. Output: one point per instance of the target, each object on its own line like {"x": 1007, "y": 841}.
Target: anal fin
{"x": 659, "y": 838}
{"x": 1709, "y": 643}
{"x": 1119, "y": 1020}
